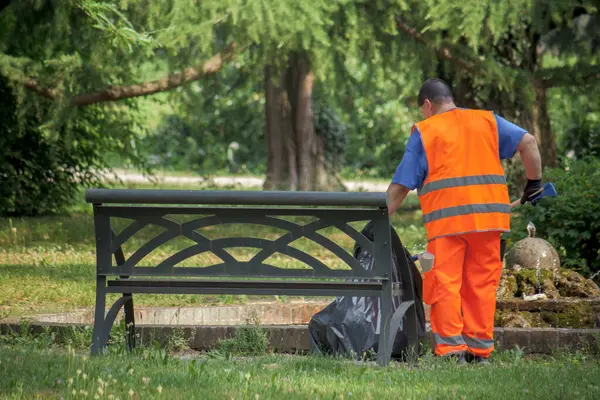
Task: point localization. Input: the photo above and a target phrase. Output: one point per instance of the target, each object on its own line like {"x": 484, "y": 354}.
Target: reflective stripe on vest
{"x": 465, "y": 189}
{"x": 466, "y": 210}
{"x": 462, "y": 181}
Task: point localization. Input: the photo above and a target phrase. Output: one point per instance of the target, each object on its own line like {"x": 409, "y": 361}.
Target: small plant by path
{"x": 249, "y": 340}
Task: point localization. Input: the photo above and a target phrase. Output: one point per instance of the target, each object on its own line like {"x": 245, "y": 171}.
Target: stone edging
{"x": 295, "y": 338}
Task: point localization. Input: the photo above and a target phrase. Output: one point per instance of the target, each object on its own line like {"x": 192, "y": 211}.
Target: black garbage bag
{"x": 349, "y": 326}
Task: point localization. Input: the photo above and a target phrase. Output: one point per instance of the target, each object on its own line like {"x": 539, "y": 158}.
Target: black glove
{"x": 533, "y": 186}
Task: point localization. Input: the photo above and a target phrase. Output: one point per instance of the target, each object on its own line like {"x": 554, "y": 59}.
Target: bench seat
{"x": 258, "y": 287}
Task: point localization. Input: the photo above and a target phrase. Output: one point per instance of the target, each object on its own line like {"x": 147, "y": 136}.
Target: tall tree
{"x": 300, "y": 43}
{"x": 48, "y": 148}
{"x": 500, "y": 43}
{"x": 512, "y": 50}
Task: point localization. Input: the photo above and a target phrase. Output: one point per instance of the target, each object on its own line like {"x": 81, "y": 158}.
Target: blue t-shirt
{"x": 412, "y": 170}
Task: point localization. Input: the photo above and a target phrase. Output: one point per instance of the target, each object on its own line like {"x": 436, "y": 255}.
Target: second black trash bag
{"x": 349, "y": 326}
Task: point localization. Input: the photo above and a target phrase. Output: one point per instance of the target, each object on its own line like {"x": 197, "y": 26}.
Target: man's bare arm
{"x": 396, "y": 193}
{"x": 530, "y": 154}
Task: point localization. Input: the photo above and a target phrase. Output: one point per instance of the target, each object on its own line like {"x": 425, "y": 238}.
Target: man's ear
{"x": 429, "y": 105}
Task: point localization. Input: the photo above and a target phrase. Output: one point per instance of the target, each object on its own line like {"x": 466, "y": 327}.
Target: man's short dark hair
{"x": 436, "y": 91}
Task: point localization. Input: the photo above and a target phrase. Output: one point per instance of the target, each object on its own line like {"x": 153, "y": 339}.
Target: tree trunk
{"x": 291, "y": 149}
{"x": 323, "y": 177}
{"x": 541, "y": 127}
{"x": 275, "y": 140}
{"x": 306, "y": 143}
{"x": 281, "y": 165}
{"x": 296, "y": 155}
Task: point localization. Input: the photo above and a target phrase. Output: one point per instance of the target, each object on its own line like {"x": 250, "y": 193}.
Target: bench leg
{"x": 99, "y": 316}
{"x": 412, "y": 320}
{"x": 395, "y": 325}
{"x": 384, "y": 351}
{"x": 102, "y": 338}
{"x": 103, "y": 321}
{"x": 129, "y": 321}
{"x": 412, "y": 331}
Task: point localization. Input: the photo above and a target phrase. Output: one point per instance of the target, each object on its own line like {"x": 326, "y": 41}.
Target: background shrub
{"x": 571, "y": 221}
{"x": 42, "y": 168}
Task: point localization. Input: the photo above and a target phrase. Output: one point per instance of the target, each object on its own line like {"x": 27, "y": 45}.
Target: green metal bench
{"x": 231, "y": 276}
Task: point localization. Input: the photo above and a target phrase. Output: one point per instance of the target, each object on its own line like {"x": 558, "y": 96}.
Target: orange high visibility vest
{"x": 465, "y": 189}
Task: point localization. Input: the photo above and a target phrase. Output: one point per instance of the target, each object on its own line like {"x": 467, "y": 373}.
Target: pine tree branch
{"x": 34, "y": 86}
{"x": 577, "y": 75}
{"x": 444, "y": 52}
{"x": 115, "y": 93}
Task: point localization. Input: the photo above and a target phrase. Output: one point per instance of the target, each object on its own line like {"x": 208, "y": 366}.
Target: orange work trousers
{"x": 461, "y": 289}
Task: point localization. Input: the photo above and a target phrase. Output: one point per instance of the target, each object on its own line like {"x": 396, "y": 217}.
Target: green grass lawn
{"x": 47, "y": 264}
{"x": 30, "y": 372}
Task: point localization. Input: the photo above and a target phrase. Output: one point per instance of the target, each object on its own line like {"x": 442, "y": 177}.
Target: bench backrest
{"x": 211, "y": 208}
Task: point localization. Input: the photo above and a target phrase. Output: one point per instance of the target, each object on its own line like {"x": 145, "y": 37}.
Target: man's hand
{"x": 533, "y": 186}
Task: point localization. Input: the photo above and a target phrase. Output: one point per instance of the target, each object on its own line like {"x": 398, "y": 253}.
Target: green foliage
{"x": 36, "y": 175}
{"x": 110, "y": 21}
{"x": 366, "y": 70}
{"x": 69, "y": 47}
{"x": 584, "y": 139}
{"x": 225, "y": 110}
{"x": 329, "y": 32}
{"x": 177, "y": 340}
{"x": 249, "y": 340}
{"x": 73, "y": 337}
{"x": 209, "y": 117}
{"x": 568, "y": 221}
{"x": 48, "y": 148}
{"x": 375, "y": 108}
{"x": 172, "y": 145}
{"x": 484, "y": 24}
{"x": 516, "y": 178}
{"x": 41, "y": 172}
{"x": 512, "y": 356}
{"x": 334, "y": 133}
{"x": 351, "y": 46}
{"x": 575, "y": 116}
{"x": 509, "y": 46}
{"x": 577, "y": 39}
{"x": 576, "y": 120}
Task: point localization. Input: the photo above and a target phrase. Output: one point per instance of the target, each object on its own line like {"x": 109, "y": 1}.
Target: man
{"x": 453, "y": 159}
